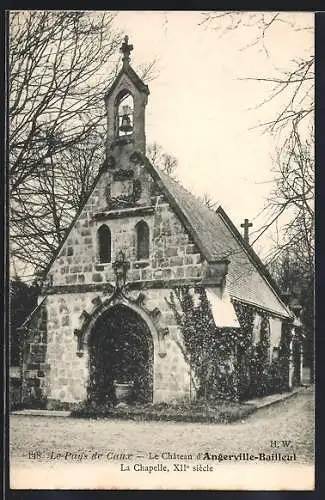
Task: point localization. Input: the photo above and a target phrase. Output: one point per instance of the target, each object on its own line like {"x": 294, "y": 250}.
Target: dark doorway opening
{"x": 121, "y": 351}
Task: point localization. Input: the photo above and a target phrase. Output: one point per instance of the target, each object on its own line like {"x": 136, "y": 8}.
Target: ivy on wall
{"x": 259, "y": 372}
{"x": 245, "y": 354}
{"x": 120, "y": 351}
{"x": 284, "y": 356}
{"x": 210, "y": 350}
{"x": 225, "y": 362}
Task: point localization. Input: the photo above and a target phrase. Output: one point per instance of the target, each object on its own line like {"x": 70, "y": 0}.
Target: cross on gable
{"x": 246, "y": 225}
{"x": 126, "y": 50}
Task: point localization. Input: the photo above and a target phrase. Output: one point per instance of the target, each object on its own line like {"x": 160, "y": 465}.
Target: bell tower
{"x": 125, "y": 103}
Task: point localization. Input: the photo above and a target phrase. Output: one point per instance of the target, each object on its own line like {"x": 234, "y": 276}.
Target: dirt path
{"x": 291, "y": 420}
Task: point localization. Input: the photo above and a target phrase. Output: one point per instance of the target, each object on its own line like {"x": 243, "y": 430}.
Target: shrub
{"x": 199, "y": 411}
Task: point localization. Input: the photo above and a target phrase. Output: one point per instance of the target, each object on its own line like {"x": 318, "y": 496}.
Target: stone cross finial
{"x": 126, "y": 50}
{"x": 246, "y": 225}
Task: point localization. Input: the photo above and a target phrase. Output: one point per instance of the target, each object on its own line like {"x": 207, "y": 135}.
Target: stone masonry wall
{"x": 35, "y": 367}
{"x": 172, "y": 256}
{"x": 172, "y": 253}
{"x": 68, "y": 376}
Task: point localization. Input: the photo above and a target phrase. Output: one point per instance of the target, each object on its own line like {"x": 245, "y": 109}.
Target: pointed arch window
{"x": 142, "y": 240}
{"x": 104, "y": 244}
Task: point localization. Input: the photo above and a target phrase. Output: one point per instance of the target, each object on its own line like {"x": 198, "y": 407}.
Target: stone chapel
{"x": 104, "y": 313}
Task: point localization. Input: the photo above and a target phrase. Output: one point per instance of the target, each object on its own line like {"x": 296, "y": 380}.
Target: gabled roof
{"x": 31, "y": 315}
{"x": 198, "y": 219}
{"x": 72, "y": 223}
{"x": 218, "y": 239}
{"x": 135, "y": 79}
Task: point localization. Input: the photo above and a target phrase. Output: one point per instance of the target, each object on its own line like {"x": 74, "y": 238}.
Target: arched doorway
{"x": 120, "y": 350}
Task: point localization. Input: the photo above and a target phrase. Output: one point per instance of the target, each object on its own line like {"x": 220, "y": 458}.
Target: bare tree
{"x": 58, "y": 70}
{"x": 166, "y": 162}
{"x": 291, "y": 259}
{"x": 208, "y": 201}
{"x": 293, "y": 199}
{"x": 60, "y": 64}
{"x": 295, "y": 83}
{"x": 46, "y": 203}
{"x": 291, "y": 123}
{"x": 290, "y": 205}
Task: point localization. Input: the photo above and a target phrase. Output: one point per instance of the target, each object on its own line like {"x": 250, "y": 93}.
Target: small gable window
{"x": 104, "y": 244}
{"x": 142, "y": 240}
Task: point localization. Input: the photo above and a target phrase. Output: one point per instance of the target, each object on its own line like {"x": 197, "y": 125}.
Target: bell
{"x": 126, "y": 120}
{"x": 126, "y": 124}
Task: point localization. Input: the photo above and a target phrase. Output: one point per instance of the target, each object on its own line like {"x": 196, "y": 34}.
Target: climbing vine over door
{"x": 120, "y": 350}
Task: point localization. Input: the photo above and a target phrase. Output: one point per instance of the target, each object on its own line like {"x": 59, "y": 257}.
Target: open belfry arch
{"x": 109, "y": 297}
{"x": 125, "y": 103}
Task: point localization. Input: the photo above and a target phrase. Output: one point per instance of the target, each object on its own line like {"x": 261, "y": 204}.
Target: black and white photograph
{"x": 161, "y": 250}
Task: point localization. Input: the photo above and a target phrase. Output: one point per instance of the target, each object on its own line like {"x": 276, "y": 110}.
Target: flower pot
{"x": 123, "y": 391}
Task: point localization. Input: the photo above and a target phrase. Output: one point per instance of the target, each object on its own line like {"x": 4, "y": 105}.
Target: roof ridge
{"x": 179, "y": 183}
{"x": 212, "y": 235}
{"x": 32, "y": 313}
{"x": 135, "y": 78}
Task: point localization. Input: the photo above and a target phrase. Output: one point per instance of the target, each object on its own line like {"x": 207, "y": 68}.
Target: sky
{"x": 202, "y": 111}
